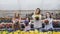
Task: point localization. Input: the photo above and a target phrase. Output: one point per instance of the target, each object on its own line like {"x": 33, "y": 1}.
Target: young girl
{"x": 27, "y": 26}
{"x": 48, "y": 22}
{"x": 27, "y": 20}
{"x": 37, "y": 19}
{"x": 16, "y": 21}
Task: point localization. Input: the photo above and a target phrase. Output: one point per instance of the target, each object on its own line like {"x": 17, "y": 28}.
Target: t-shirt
{"x": 49, "y": 25}
{"x": 34, "y": 16}
{"x": 37, "y": 23}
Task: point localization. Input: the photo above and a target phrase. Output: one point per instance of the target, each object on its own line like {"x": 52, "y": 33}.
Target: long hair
{"x": 38, "y": 11}
{"x": 49, "y": 14}
{"x": 17, "y": 15}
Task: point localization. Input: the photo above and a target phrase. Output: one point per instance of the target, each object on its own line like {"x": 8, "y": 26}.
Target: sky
{"x": 29, "y": 4}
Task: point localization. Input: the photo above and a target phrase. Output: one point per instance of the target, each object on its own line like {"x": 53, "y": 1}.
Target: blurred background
{"x": 26, "y": 8}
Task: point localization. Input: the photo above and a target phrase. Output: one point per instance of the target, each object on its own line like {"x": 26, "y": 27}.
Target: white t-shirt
{"x": 37, "y": 23}
{"x": 49, "y": 25}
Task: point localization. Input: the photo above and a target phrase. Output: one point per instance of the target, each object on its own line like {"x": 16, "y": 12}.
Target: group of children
{"x": 35, "y": 23}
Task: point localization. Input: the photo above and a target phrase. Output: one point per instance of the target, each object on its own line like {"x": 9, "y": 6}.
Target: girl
{"x": 16, "y": 21}
{"x": 27, "y": 21}
{"x": 27, "y": 26}
{"x": 37, "y": 19}
{"x": 48, "y": 22}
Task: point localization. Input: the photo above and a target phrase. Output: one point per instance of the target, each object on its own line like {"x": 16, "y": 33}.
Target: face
{"x": 16, "y": 15}
{"x": 37, "y": 10}
{"x": 48, "y": 15}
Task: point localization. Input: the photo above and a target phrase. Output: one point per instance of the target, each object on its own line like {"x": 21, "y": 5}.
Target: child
{"x": 27, "y": 20}
{"x": 37, "y": 19}
{"x": 27, "y": 26}
{"x": 48, "y": 22}
{"x": 16, "y": 21}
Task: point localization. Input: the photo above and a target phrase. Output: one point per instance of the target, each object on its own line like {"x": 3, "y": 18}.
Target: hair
{"x": 17, "y": 16}
{"x": 49, "y": 14}
{"x": 38, "y": 11}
